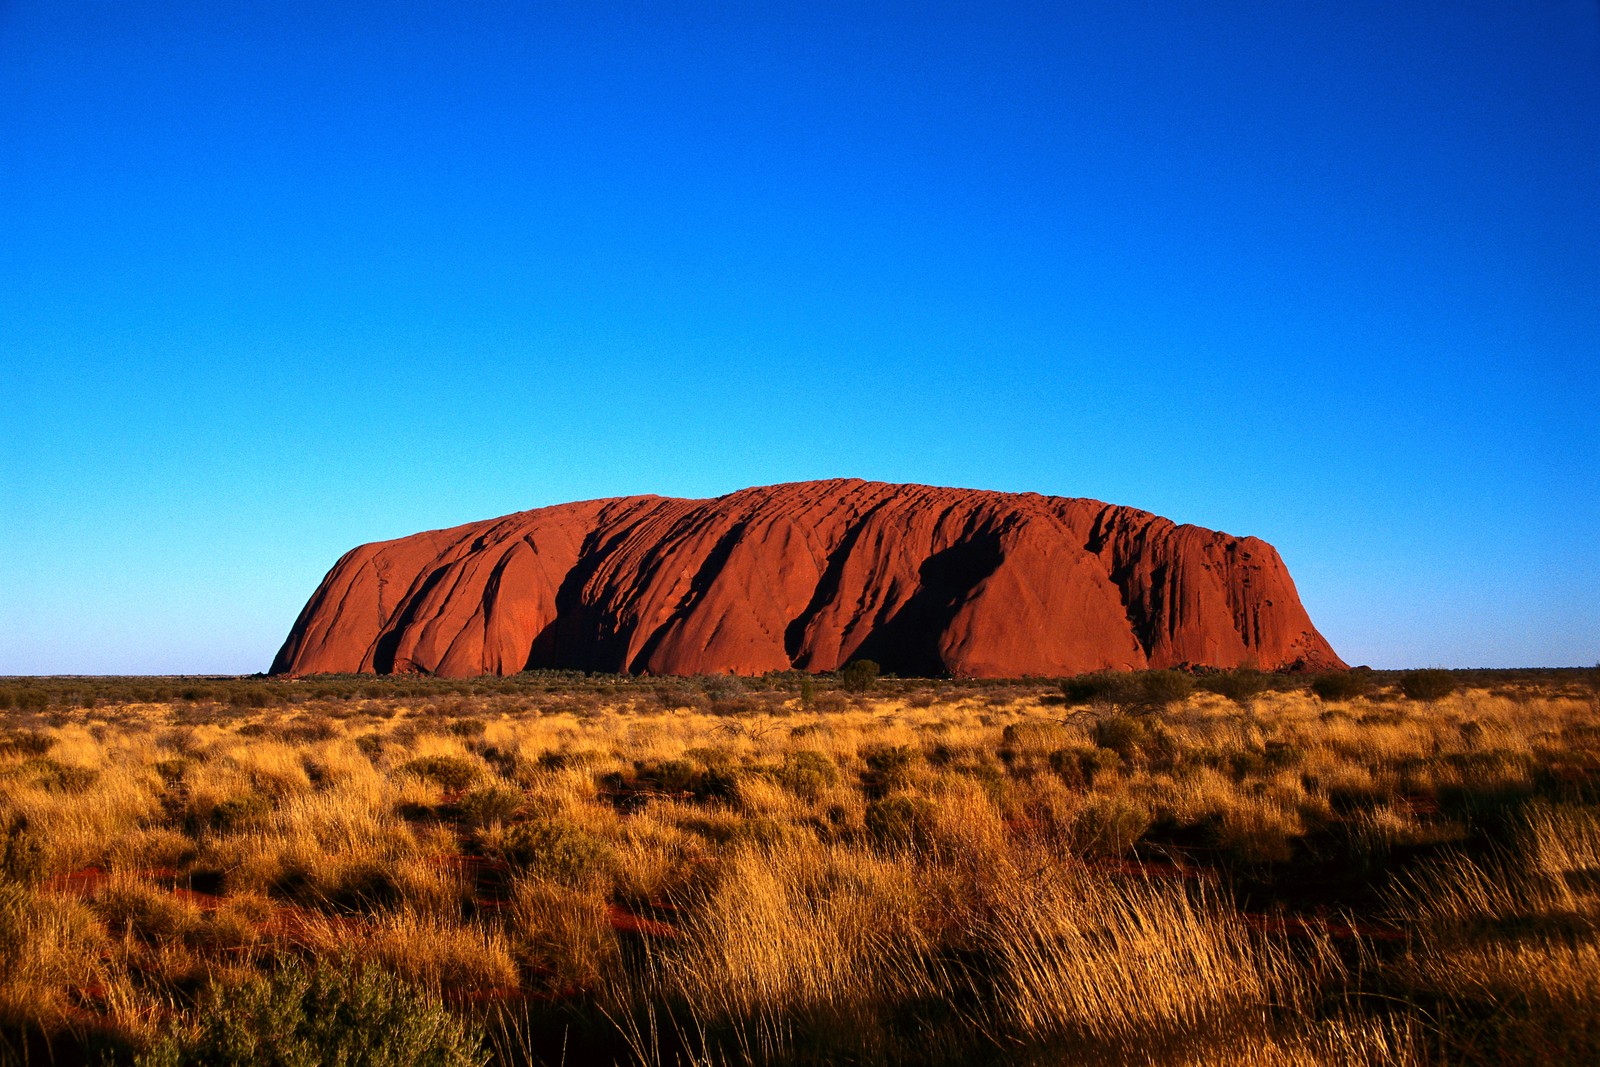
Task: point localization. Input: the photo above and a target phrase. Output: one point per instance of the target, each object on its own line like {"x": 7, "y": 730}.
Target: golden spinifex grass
{"x": 927, "y": 874}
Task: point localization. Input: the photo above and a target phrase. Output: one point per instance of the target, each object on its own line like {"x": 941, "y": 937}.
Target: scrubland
{"x": 554, "y": 869}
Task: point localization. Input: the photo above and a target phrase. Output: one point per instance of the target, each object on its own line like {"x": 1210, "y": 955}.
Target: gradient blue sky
{"x": 279, "y": 278}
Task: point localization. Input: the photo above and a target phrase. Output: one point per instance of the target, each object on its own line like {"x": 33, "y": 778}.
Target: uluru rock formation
{"x": 809, "y": 575}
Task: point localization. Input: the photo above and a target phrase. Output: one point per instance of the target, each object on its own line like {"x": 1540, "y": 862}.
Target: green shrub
{"x": 22, "y": 854}
{"x": 491, "y": 803}
{"x": 150, "y": 915}
{"x": 300, "y": 1017}
{"x": 1109, "y": 824}
{"x": 858, "y": 675}
{"x": 239, "y": 811}
{"x": 1253, "y": 835}
{"x": 1101, "y": 687}
{"x": 59, "y": 777}
{"x": 889, "y": 766}
{"x": 171, "y": 770}
{"x": 19, "y": 921}
{"x": 711, "y": 755}
{"x": 807, "y": 774}
{"x": 1339, "y": 685}
{"x": 557, "y": 851}
{"x": 1068, "y": 766}
{"x": 900, "y": 820}
{"x": 1035, "y": 735}
{"x": 1122, "y": 734}
{"x": 1145, "y": 689}
{"x": 1158, "y": 689}
{"x": 307, "y": 728}
{"x": 556, "y": 760}
{"x": 32, "y": 699}
{"x": 452, "y": 772}
{"x": 364, "y": 887}
{"x": 1077, "y": 767}
{"x": 714, "y": 782}
{"x": 1427, "y": 685}
{"x": 252, "y": 696}
{"x": 767, "y": 832}
{"x": 1240, "y": 685}
{"x": 719, "y": 782}
{"x": 670, "y": 775}
{"x": 26, "y": 742}
{"x": 991, "y": 778}
{"x": 1281, "y": 755}
{"x": 1248, "y": 763}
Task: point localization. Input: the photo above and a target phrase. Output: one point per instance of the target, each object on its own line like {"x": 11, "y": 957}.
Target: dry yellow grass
{"x": 943, "y": 876}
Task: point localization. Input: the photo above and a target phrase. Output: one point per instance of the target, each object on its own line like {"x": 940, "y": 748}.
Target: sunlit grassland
{"x": 715, "y": 871}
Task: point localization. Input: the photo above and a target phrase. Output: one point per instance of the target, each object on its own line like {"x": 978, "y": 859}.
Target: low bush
{"x": 59, "y": 777}
{"x": 1240, "y": 685}
{"x": 253, "y": 696}
{"x": 889, "y": 766}
{"x": 557, "y": 851}
{"x": 297, "y": 1017}
{"x": 1122, "y": 734}
{"x": 31, "y": 699}
{"x": 675, "y": 776}
{"x": 368, "y": 888}
{"x": 1101, "y": 687}
{"x": 1255, "y": 833}
{"x": 491, "y": 803}
{"x": 451, "y": 772}
{"x": 1109, "y": 824}
{"x": 1149, "y": 690}
{"x": 171, "y": 770}
{"x": 1339, "y": 685}
{"x": 1078, "y": 766}
{"x": 22, "y": 853}
{"x": 858, "y": 675}
{"x": 900, "y": 820}
{"x": 25, "y": 742}
{"x": 237, "y": 812}
{"x": 807, "y": 774}
{"x": 1427, "y": 685}
{"x": 139, "y": 911}
{"x": 669, "y": 775}
{"x": 1021, "y": 736}
{"x": 1160, "y": 689}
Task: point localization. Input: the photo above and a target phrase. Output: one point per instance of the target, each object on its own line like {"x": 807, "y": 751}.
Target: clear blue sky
{"x": 280, "y": 278}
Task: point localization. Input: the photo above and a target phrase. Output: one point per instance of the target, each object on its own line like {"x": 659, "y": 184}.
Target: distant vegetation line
{"x": 723, "y": 693}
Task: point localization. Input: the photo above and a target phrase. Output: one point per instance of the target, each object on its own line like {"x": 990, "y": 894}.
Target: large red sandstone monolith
{"x": 810, "y": 575}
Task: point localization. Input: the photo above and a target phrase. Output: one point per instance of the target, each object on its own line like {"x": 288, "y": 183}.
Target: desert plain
{"x": 552, "y": 867}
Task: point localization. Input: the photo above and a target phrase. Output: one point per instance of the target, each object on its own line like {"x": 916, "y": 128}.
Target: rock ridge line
{"x": 808, "y": 576}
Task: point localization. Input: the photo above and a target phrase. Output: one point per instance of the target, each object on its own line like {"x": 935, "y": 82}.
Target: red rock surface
{"x": 810, "y": 575}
